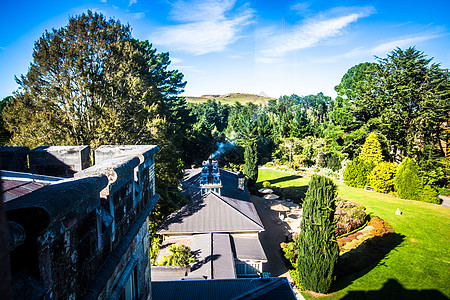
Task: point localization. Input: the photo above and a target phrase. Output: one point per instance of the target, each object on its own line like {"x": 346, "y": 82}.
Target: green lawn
{"x": 420, "y": 265}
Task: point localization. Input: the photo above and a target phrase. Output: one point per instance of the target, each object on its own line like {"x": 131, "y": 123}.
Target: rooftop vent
{"x": 210, "y": 181}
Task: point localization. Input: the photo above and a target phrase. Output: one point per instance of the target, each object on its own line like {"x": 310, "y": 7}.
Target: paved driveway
{"x": 271, "y": 237}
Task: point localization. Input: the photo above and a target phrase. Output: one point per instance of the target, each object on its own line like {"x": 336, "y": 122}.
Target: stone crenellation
{"x": 84, "y": 236}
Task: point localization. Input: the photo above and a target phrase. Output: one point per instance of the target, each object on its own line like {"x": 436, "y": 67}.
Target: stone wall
{"x": 63, "y": 161}
{"x": 14, "y": 158}
{"x": 90, "y": 232}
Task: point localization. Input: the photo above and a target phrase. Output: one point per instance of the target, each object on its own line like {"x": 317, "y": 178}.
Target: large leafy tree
{"x": 352, "y": 84}
{"x": 4, "y": 134}
{"x": 408, "y": 101}
{"x": 318, "y": 250}
{"x": 91, "y": 83}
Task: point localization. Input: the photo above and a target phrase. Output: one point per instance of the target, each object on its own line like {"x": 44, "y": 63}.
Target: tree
{"x": 247, "y": 138}
{"x": 91, "y": 83}
{"x": 180, "y": 255}
{"x": 381, "y": 178}
{"x": 407, "y": 181}
{"x": 317, "y": 246}
{"x": 356, "y": 172}
{"x": 251, "y": 162}
{"x": 407, "y": 99}
{"x": 4, "y": 134}
{"x": 371, "y": 150}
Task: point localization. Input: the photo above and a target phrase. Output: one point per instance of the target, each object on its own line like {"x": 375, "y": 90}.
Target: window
{"x": 130, "y": 290}
{"x": 247, "y": 268}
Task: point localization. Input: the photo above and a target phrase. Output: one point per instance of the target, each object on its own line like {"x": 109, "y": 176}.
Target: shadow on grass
{"x": 284, "y": 178}
{"x": 394, "y": 290}
{"x": 358, "y": 262}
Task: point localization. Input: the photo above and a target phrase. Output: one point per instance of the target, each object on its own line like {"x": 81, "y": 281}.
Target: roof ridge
{"x": 223, "y": 200}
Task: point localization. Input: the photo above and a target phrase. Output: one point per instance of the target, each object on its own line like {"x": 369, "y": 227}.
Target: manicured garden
{"x": 419, "y": 266}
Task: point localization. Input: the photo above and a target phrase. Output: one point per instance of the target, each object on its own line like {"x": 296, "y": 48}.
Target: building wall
{"x": 95, "y": 236}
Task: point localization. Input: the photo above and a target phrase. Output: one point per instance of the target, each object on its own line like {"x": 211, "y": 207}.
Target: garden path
{"x": 445, "y": 201}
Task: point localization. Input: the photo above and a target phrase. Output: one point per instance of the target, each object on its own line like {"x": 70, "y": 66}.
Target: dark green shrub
{"x": 317, "y": 247}
{"x": 356, "y": 172}
{"x": 333, "y": 162}
{"x": 381, "y": 178}
{"x": 430, "y": 194}
{"x": 407, "y": 181}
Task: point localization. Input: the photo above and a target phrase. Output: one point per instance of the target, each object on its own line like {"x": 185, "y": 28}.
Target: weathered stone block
{"x": 14, "y": 158}
{"x": 63, "y": 161}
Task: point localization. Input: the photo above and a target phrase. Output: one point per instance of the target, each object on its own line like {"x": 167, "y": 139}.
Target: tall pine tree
{"x": 318, "y": 250}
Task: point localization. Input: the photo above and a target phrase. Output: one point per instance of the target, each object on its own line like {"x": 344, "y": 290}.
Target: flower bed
{"x": 348, "y": 216}
{"x": 376, "y": 227}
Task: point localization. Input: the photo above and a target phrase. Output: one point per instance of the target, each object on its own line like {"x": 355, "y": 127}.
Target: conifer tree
{"x": 408, "y": 182}
{"x": 251, "y": 162}
{"x": 318, "y": 249}
{"x": 371, "y": 150}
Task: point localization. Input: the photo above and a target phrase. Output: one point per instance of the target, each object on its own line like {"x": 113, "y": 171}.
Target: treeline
{"x": 402, "y": 99}
{"x": 92, "y": 83}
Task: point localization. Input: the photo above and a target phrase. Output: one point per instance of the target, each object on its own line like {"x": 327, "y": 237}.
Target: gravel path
{"x": 271, "y": 238}
{"x": 445, "y": 201}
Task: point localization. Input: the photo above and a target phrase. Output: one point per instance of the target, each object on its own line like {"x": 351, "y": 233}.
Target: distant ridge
{"x": 231, "y": 98}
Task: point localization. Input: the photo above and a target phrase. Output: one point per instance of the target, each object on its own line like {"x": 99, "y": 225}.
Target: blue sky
{"x": 276, "y": 47}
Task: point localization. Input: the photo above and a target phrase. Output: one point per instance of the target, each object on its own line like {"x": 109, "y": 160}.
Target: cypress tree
{"x": 318, "y": 249}
{"x": 251, "y": 162}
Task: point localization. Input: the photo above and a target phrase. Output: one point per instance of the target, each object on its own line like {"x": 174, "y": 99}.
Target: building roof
{"x": 255, "y": 288}
{"x": 214, "y": 256}
{"x": 248, "y": 248}
{"x": 164, "y": 273}
{"x": 231, "y": 211}
{"x": 17, "y": 184}
{"x": 58, "y": 199}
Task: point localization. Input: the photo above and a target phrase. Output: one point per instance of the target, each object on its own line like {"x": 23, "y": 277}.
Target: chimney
{"x": 210, "y": 181}
{"x": 241, "y": 181}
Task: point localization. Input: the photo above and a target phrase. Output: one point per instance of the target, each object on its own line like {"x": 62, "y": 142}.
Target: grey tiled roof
{"x": 248, "y": 248}
{"x": 214, "y": 256}
{"x": 232, "y": 211}
{"x": 221, "y": 289}
{"x": 164, "y": 273}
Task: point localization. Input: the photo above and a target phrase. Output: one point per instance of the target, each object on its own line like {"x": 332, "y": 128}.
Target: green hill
{"x": 231, "y": 98}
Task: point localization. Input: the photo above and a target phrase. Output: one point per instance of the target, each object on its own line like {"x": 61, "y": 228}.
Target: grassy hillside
{"x": 418, "y": 268}
{"x": 231, "y": 98}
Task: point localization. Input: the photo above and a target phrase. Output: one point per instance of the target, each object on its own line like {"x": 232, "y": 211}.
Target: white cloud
{"x": 207, "y": 26}
{"x": 132, "y": 2}
{"x": 382, "y": 49}
{"x": 312, "y": 31}
{"x": 139, "y": 15}
{"x": 175, "y": 60}
{"x": 103, "y": 1}
{"x": 387, "y": 47}
{"x": 301, "y": 8}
